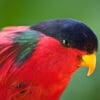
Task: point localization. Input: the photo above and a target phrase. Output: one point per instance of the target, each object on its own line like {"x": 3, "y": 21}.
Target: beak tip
{"x": 88, "y": 74}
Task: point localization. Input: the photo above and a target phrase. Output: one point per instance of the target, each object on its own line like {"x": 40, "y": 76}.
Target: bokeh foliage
{"x": 28, "y": 12}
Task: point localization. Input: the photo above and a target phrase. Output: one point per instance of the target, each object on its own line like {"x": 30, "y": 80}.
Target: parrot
{"x": 38, "y": 61}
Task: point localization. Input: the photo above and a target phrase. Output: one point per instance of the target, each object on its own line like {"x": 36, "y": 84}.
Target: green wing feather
{"x": 23, "y": 44}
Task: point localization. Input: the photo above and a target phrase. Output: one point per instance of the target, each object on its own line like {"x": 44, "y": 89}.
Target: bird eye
{"x": 66, "y": 43}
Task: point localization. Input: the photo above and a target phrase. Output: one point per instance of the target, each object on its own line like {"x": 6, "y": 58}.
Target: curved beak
{"x": 90, "y": 62}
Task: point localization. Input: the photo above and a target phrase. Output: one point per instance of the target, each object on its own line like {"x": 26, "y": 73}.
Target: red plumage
{"x": 43, "y": 76}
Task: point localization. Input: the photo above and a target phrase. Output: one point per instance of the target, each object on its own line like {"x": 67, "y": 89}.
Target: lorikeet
{"x": 37, "y": 62}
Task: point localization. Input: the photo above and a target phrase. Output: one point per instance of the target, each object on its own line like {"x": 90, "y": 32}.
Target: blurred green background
{"x": 28, "y": 12}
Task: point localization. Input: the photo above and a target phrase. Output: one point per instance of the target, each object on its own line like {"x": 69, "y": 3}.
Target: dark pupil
{"x": 66, "y": 43}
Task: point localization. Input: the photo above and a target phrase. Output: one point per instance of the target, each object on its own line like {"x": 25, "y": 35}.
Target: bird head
{"x": 73, "y": 34}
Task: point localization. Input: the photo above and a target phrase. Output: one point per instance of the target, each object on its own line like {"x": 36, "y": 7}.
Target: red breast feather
{"x": 43, "y": 76}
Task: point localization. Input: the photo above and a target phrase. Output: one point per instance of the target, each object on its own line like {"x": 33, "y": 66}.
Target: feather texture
{"x": 43, "y": 73}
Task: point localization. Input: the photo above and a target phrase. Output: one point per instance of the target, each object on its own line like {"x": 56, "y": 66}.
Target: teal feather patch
{"x": 26, "y": 41}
